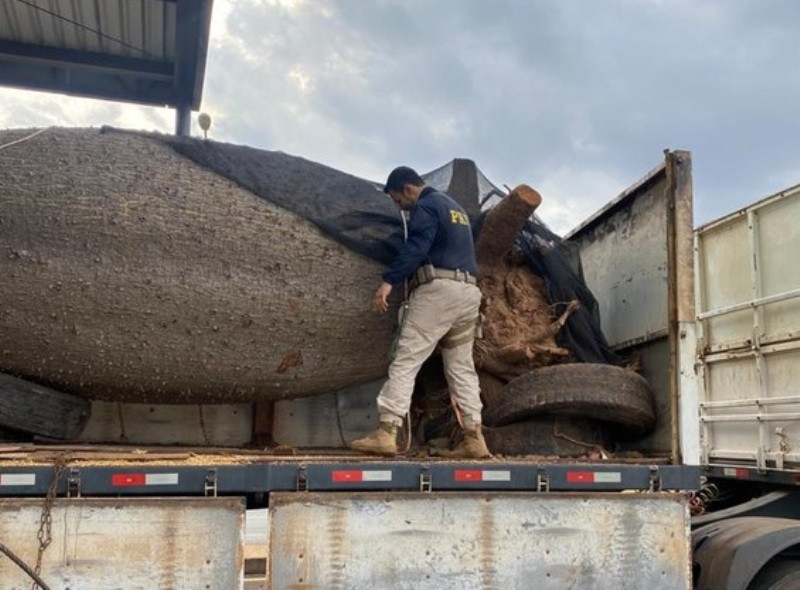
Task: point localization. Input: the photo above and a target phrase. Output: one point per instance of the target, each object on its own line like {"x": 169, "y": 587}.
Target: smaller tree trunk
{"x": 502, "y": 225}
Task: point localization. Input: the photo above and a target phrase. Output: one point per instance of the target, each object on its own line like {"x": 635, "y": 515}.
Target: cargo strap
{"x": 427, "y": 273}
{"x": 458, "y": 335}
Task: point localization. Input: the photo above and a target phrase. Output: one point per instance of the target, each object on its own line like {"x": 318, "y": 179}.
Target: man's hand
{"x": 379, "y": 301}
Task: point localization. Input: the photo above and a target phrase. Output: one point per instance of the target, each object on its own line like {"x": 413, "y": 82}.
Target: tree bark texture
{"x": 502, "y": 225}
{"x": 130, "y": 273}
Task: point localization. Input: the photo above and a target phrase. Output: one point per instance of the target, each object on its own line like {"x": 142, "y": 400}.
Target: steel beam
{"x": 69, "y": 58}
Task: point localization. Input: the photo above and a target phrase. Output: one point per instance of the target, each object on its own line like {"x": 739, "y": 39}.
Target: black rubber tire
{"x": 28, "y": 407}
{"x": 548, "y": 435}
{"x": 12, "y": 436}
{"x": 597, "y": 391}
{"x": 778, "y": 574}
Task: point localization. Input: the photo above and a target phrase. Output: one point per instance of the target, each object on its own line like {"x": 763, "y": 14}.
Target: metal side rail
{"x": 319, "y": 476}
{"x": 788, "y": 477}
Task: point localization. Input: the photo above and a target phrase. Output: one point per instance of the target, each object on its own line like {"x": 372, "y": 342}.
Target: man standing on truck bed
{"x": 439, "y": 259}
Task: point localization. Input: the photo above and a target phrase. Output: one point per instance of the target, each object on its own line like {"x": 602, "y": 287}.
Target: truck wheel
{"x": 548, "y": 435}
{"x": 32, "y": 408}
{"x": 778, "y": 574}
{"x": 601, "y": 392}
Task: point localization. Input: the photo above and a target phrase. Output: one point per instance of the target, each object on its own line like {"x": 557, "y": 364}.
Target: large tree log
{"x": 130, "y": 273}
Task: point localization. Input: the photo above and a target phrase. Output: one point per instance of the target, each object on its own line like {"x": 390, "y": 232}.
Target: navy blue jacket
{"x": 439, "y": 234}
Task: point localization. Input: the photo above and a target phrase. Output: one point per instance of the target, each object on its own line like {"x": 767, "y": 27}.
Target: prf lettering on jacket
{"x": 458, "y": 217}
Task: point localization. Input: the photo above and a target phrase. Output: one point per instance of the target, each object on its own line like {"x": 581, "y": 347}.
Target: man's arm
{"x": 421, "y": 233}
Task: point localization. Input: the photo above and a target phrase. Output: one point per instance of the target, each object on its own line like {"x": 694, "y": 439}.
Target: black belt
{"x": 427, "y": 273}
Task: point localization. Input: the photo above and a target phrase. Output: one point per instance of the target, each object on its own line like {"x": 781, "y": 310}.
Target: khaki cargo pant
{"x": 441, "y": 309}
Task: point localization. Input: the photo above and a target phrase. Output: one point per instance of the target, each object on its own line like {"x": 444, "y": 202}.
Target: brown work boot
{"x": 381, "y": 442}
{"x": 473, "y": 446}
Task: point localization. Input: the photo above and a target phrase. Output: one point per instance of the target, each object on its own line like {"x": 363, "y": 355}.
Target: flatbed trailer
{"x": 137, "y": 516}
{"x": 196, "y": 472}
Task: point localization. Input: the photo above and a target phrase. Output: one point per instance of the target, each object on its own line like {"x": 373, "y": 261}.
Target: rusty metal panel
{"x": 637, "y": 256}
{"x": 624, "y": 257}
{"x": 107, "y": 544}
{"x": 504, "y": 541}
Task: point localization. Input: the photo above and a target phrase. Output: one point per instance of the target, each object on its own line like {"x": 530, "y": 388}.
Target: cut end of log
{"x": 502, "y": 225}
{"x": 528, "y": 195}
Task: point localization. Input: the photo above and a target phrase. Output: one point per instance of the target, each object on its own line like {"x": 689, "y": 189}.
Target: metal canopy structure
{"x": 150, "y": 52}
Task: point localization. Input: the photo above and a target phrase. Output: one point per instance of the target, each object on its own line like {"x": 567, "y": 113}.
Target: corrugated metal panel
{"x": 132, "y": 28}
{"x": 749, "y": 310}
{"x": 145, "y": 51}
{"x": 487, "y": 541}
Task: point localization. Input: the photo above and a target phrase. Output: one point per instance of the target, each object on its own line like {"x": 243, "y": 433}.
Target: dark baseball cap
{"x": 401, "y": 176}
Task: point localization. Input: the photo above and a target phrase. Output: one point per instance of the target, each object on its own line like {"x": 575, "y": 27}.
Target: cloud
{"x": 25, "y": 108}
{"x": 578, "y": 98}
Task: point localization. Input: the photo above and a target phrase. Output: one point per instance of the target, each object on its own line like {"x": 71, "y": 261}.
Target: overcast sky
{"x": 575, "y": 97}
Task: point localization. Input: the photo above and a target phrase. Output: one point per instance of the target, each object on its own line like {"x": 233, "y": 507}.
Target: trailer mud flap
{"x": 127, "y": 543}
{"x": 499, "y": 540}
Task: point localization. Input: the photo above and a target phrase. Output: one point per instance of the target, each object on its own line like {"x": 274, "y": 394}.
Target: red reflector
{"x": 341, "y": 475}
{"x": 468, "y": 475}
{"x": 742, "y": 473}
{"x": 580, "y": 476}
{"x": 128, "y": 479}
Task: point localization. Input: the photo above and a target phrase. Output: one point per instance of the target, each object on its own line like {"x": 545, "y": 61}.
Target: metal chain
{"x": 44, "y": 534}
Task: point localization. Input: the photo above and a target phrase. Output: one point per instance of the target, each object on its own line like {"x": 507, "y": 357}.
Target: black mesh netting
{"x": 558, "y": 263}
{"x": 356, "y": 213}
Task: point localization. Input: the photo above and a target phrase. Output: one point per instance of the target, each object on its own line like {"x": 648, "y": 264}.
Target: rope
{"x": 24, "y": 567}
{"x": 457, "y": 411}
{"x": 339, "y": 418}
{"x": 20, "y": 140}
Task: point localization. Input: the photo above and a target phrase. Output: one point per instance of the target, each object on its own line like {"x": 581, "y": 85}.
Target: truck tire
{"x": 601, "y": 392}
{"x": 548, "y": 435}
{"x": 778, "y": 574}
{"x": 28, "y": 407}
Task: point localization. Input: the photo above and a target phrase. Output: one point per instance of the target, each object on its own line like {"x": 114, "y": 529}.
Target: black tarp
{"x": 358, "y": 214}
{"x": 351, "y": 210}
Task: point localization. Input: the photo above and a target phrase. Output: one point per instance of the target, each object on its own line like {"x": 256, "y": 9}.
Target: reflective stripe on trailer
{"x": 144, "y": 479}
{"x": 481, "y": 475}
{"x": 360, "y": 475}
{"x": 594, "y": 477}
{"x": 735, "y": 472}
{"x": 17, "y": 479}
